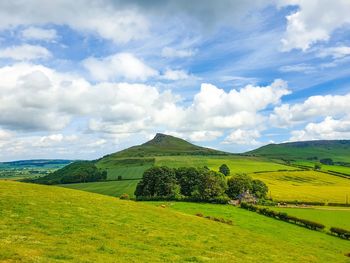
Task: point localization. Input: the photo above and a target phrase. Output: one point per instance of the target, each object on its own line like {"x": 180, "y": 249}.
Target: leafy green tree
{"x": 317, "y": 166}
{"x": 259, "y": 188}
{"x": 212, "y": 185}
{"x": 188, "y": 179}
{"x": 239, "y": 184}
{"x": 158, "y": 181}
{"x": 224, "y": 170}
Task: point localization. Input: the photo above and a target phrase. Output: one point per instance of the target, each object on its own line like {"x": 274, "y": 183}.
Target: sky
{"x": 81, "y": 79}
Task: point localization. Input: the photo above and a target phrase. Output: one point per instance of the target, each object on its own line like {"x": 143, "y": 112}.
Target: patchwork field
{"x": 53, "y": 224}
{"x": 306, "y": 186}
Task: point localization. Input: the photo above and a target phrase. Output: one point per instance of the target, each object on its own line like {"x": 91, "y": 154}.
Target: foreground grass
{"x": 52, "y": 224}
{"x": 112, "y": 188}
{"x": 306, "y": 186}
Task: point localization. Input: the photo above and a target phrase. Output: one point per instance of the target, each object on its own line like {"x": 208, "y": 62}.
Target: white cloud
{"x": 170, "y": 74}
{"x": 37, "y": 33}
{"x": 243, "y": 137}
{"x": 314, "y": 21}
{"x": 119, "y": 66}
{"x": 115, "y": 22}
{"x": 314, "y": 106}
{"x": 328, "y": 129}
{"x": 169, "y": 52}
{"x": 304, "y": 68}
{"x": 335, "y": 52}
{"x": 25, "y": 52}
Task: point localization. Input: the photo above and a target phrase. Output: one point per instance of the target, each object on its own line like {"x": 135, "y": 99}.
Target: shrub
{"x": 124, "y": 197}
{"x": 340, "y": 232}
{"x": 120, "y": 178}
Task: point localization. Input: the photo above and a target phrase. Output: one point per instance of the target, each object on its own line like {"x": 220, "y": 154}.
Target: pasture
{"x": 112, "y": 188}
{"x": 308, "y": 186}
{"x": 52, "y": 224}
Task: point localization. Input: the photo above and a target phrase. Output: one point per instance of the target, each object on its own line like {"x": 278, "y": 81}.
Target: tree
{"x": 224, "y": 170}
{"x": 212, "y": 185}
{"x": 317, "y": 166}
{"x": 327, "y": 161}
{"x": 259, "y": 188}
{"x": 188, "y": 179}
{"x": 158, "y": 181}
{"x": 239, "y": 184}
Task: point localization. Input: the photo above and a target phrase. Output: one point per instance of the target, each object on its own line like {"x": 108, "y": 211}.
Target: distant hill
{"x": 162, "y": 145}
{"x": 338, "y": 150}
{"x": 37, "y": 163}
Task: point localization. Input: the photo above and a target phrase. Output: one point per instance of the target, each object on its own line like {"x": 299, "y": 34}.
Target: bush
{"x": 224, "y": 170}
{"x": 119, "y": 178}
{"x": 340, "y": 232}
{"x": 124, "y": 197}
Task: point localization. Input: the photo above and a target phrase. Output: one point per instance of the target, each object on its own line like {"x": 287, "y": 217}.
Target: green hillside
{"x": 163, "y": 144}
{"x": 338, "y": 150}
{"x": 77, "y": 172}
{"x": 41, "y": 223}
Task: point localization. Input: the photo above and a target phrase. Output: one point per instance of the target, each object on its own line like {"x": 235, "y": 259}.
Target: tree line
{"x": 195, "y": 184}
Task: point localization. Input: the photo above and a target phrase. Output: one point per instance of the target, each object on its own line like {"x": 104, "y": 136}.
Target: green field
{"x": 329, "y": 216}
{"x": 52, "y": 224}
{"x": 237, "y": 164}
{"x": 306, "y": 186}
{"x": 112, "y": 188}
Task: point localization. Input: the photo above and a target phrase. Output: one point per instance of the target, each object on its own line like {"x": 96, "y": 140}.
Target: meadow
{"x": 329, "y": 216}
{"x": 309, "y": 186}
{"x": 52, "y": 224}
{"x": 112, "y": 188}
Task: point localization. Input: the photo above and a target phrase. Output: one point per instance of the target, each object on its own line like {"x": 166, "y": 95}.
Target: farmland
{"x": 48, "y": 224}
{"x": 306, "y": 186}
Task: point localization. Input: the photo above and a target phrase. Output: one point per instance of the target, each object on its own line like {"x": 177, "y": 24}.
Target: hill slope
{"x": 51, "y": 224}
{"x": 338, "y": 150}
{"x": 163, "y": 144}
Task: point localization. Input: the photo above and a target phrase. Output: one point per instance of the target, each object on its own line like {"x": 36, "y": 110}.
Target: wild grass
{"x": 41, "y": 223}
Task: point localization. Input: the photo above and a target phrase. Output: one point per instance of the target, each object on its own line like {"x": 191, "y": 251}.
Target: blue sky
{"x": 85, "y": 78}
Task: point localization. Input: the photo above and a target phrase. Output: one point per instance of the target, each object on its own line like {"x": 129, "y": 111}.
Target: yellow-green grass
{"x": 329, "y": 216}
{"x": 325, "y": 168}
{"x": 237, "y": 164}
{"x": 306, "y": 186}
{"x": 112, "y": 188}
{"x": 52, "y": 224}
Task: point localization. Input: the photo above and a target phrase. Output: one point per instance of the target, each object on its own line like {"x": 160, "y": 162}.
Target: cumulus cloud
{"x": 315, "y": 106}
{"x": 170, "y": 74}
{"x": 37, "y": 33}
{"x": 244, "y": 137}
{"x": 119, "y": 66}
{"x": 25, "y": 52}
{"x": 117, "y": 23}
{"x": 328, "y": 129}
{"x": 314, "y": 21}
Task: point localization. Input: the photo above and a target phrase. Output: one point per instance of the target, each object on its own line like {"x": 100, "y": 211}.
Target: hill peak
{"x": 163, "y": 144}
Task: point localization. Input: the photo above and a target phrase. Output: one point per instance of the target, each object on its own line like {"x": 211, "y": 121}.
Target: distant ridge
{"x": 163, "y": 144}
{"x": 339, "y": 150}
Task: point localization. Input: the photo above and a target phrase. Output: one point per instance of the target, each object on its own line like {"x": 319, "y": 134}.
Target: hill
{"x": 77, "y": 172}
{"x": 41, "y": 223}
{"x": 37, "y": 163}
{"x": 162, "y": 145}
{"x": 338, "y": 150}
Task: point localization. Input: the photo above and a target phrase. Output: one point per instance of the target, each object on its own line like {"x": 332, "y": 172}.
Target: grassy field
{"x": 112, "y": 188}
{"x": 306, "y": 186}
{"x": 329, "y": 216}
{"x": 237, "y": 164}
{"x": 53, "y": 224}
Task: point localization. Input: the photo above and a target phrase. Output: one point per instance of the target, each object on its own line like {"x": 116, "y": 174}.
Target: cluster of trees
{"x": 196, "y": 184}
{"x": 283, "y": 216}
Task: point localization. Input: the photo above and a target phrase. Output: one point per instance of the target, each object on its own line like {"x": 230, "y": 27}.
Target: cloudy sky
{"x": 80, "y": 79}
